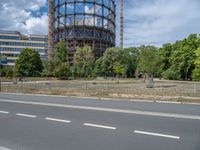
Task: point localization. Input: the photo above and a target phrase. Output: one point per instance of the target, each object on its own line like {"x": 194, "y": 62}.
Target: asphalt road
{"x": 26, "y": 123}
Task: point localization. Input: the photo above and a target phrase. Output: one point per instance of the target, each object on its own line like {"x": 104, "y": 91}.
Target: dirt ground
{"x": 181, "y": 91}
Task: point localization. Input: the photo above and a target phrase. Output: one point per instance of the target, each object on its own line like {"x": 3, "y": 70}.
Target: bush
{"x": 28, "y": 64}
{"x": 196, "y": 74}
{"x": 171, "y": 74}
{"x": 6, "y": 71}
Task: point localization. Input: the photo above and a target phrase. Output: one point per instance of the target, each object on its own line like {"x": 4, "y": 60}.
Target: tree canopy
{"x": 196, "y": 71}
{"x": 84, "y": 61}
{"x": 149, "y": 60}
{"x": 181, "y": 60}
{"x": 28, "y": 64}
{"x": 61, "y": 52}
{"x": 178, "y": 61}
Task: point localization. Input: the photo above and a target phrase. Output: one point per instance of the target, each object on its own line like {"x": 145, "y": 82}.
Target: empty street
{"x": 30, "y": 122}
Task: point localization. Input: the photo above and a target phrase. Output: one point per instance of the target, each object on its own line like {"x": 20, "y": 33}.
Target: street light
{"x": 0, "y": 54}
{"x": 0, "y": 81}
{"x": 0, "y": 67}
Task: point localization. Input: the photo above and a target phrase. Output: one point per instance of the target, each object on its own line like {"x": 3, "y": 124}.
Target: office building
{"x": 13, "y": 42}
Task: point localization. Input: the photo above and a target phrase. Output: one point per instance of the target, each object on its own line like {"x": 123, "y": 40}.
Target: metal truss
{"x": 85, "y": 22}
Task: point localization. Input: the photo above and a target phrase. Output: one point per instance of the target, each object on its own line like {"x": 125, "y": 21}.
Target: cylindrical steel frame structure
{"x": 85, "y": 22}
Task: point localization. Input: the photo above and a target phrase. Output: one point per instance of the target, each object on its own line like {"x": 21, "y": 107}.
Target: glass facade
{"x": 12, "y": 43}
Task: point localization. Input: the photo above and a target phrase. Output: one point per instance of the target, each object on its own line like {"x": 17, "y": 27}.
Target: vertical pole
{"x": 50, "y": 30}
{"x": 35, "y": 82}
{"x": 86, "y": 87}
{"x": 121, "y": 23}
{"x": 0, "y": 84}
{"x": 195, "y": 88}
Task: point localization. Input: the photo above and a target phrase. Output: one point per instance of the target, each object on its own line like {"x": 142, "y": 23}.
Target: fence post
{"x": 50, "y": 84}
{"x": 0, "y": 85}
{"x": 22, "y": 86}
{"x": 195, "y": 88}
{"x": 35, "y": 82}
{"x": 86, "y": 88}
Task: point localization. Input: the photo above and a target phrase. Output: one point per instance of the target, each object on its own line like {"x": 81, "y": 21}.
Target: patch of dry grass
{"x": 126, "y": 89}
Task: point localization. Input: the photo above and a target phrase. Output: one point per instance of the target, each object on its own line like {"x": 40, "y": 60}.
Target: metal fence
{"x": 126, "y": 88}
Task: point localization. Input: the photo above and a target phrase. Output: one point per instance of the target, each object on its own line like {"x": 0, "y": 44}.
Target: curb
{"x": 106, "y": 99}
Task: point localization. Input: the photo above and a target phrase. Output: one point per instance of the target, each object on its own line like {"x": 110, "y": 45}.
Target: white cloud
{"x": 146, "y": 21}
{"x": 160, "y": 21}
{"x": 37, "y": 25}
{"x": 18, "y": 15}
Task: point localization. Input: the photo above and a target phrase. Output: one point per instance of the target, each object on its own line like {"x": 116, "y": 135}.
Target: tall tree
{"x": 149, "y": 61}
{"x": 118, "y": 69}
{"x": 129, "y": 59}
{"x": 196, "y": 71}
{"x": 84, "y": 61}
{"x": 61, "y": 52}
{"x": 61, "y": 62}
{"x": 165, "y": 53}
{"x": 110, "y": 57}
{"x": 98, "y": 69}
{"x": 48, "y": 68}
{"x": 28, "y": 64}
{"x": 183, "y": 56}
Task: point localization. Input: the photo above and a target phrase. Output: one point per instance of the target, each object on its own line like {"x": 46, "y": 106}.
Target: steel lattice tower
{"x": 83, "y": 22}
{"x": 50, "y": 30}
{"x": 121, "y": 23}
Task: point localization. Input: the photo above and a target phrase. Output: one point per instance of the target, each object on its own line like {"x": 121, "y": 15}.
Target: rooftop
{"x": 18, "y": 33}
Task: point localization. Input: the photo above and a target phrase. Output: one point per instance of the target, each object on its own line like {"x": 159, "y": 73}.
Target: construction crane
{"x": 121, "y": 23}
{"x": 50, "y": 30}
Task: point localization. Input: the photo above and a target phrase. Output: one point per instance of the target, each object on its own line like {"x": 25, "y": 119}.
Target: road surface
{"x": 59, "y": 123}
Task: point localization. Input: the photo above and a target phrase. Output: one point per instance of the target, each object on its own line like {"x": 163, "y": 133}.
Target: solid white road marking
{"x": 26, "y": 115}
{"x": 99, "y": 126}
{"x": 137, "y": 112}
{"x": 58, "y": 120}
{"x": 4, "y": 148}
{"x": 4, "y": 112}
{"x": 157, "y": 134}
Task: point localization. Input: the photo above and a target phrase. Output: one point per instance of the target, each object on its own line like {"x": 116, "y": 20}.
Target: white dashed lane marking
{"x": 99, "y": 126}
{"x": 58, "y": 120}
{"x": 26, "y": 115}
{"x": 4, "y": 112}
{"x": 157, "y": 134}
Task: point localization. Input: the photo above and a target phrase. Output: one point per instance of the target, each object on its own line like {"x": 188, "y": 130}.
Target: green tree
{"x": 6, "y": 71}
{"x": 110, "y": 57}
{"x": 165, "y": 53}
{"x": 183, "y": 57}
{"x": 129, "y": 59}
{"x": 61, "y": 52}
{"x": 118, "y": 69}
{"x": 149, "y": 61}
{"x": 28, "y": 64}
{"x": 84, "y": 61}
{"x": 196, "y": 71}
{"x": 62, "y": 71}
{"x": 48, "y": 70}
{"x": 98, "y": 70}
{"x": 61, "y": 62}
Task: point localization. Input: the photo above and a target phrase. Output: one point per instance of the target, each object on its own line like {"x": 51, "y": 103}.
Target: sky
{"x": 147, "y": 22}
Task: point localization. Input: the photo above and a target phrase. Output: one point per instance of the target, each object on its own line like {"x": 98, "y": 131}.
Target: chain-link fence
{"x": 125, "y": 88}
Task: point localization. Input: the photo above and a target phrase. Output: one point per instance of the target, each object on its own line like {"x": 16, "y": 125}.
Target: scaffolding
{"x": 80, "y": 23}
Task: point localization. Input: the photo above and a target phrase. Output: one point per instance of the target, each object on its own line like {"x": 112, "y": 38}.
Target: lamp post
{"x": 0, "y": 81}
{"x": 0, "y": 67}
